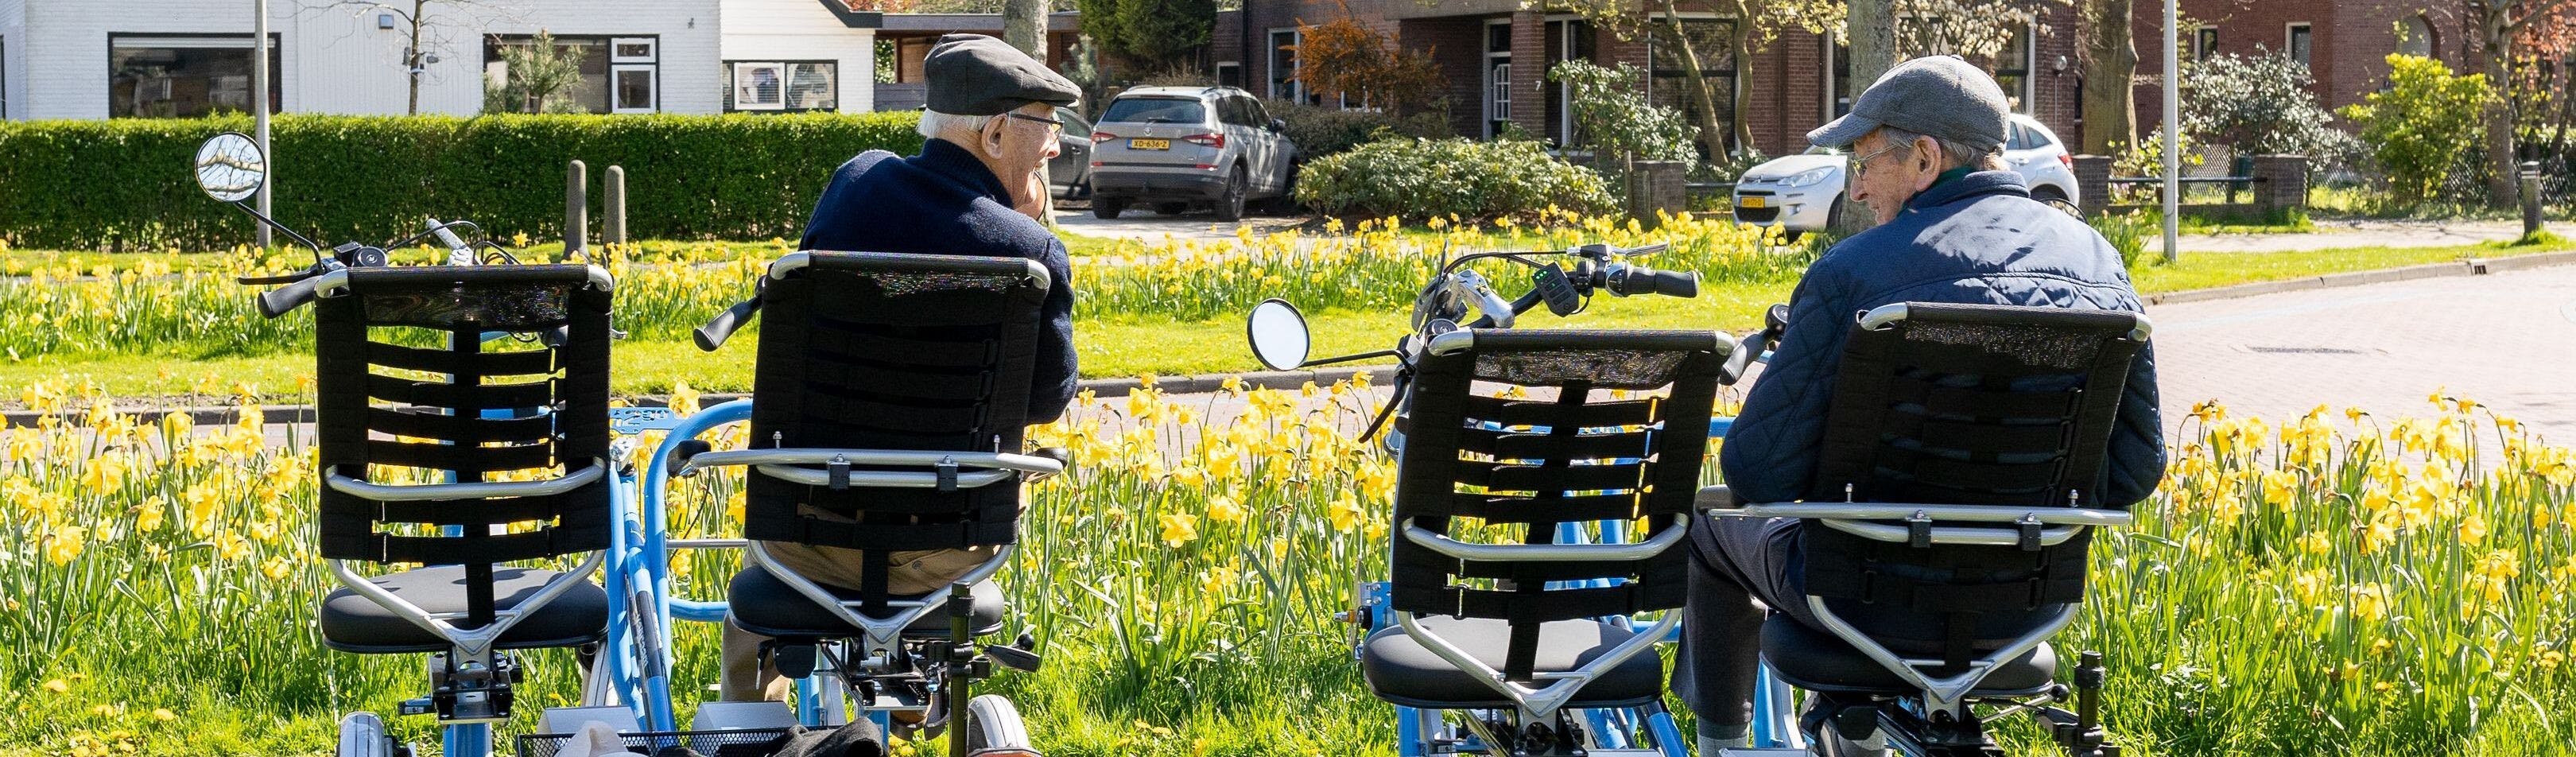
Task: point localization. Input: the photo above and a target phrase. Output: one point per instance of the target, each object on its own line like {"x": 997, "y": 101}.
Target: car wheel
{"x": 1229, "y": 206}
{"x": 2047, "y": 192}
{"x": 1106, "y": 209}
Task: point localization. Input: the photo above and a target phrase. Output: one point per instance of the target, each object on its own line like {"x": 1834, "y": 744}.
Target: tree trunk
{"x": 1873, "y": 42}
{"x": 2110, "y": 76}
{"x": 411, "y": 60}
{"x": 1024, "y": 24}
{"x": 1703, "y": 101}
{"x": 2501, "y": 166}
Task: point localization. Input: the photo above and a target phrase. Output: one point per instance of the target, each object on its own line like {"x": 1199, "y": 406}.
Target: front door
{"x": 1567, "y": 39}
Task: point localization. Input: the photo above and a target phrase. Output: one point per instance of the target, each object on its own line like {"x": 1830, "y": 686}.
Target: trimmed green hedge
{"x": 1416, "y": 179}
{"x": 126, "y": 184}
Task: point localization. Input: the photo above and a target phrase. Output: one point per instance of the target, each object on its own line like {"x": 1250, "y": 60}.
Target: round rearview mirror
{"x": 1278, "y": 334}
{"x": 230, "y": 167}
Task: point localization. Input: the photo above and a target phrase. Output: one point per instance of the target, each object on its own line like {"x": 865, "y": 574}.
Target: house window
{"x": 1498, "y": 76}
{"x": 1229, "y": 74}
{"x": 617, "y": 74}
{"x": 173, "y": 76}
{"x": 782, "y": 85}
{"x": 1713, "y": 41}
{"x": 2415, "y": 37}
{"x": 2207, "y": 44}
{"x": 1283, "y": 66}
{"x": 2298, "y": 43}
{"x": 2012, "y": 71}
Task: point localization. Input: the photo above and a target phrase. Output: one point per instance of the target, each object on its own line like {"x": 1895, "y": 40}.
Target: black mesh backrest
{"x": 405, "y": 381}
{"x": 894, "y": 351}
{"x": 1966, "y": 404}
{"x": 1472, "y": 460}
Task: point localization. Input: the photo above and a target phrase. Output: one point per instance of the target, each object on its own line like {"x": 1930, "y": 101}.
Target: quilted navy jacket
{"x": 1978, "y": 239}
{"x": 944, "y": 201}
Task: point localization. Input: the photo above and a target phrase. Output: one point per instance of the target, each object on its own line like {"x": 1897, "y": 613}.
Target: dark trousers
{"x": 1734, "y": 562}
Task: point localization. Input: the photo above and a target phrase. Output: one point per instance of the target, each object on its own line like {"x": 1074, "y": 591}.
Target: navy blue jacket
{"x": 1977, "y": 239}
{"x": 944, "y": 201}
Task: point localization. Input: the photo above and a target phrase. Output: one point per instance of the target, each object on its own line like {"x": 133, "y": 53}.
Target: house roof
{"x": 986, "y": 23}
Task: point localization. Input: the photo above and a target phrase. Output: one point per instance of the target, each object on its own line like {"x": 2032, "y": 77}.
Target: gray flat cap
{"x": 1938, "y": 96}
{"x": 976, "y": 75}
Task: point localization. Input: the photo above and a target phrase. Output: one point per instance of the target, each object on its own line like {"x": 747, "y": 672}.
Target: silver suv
{"x": 1177, "y": 147}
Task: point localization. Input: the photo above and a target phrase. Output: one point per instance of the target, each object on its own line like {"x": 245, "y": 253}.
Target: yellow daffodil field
{"x": 2338, "y": 583}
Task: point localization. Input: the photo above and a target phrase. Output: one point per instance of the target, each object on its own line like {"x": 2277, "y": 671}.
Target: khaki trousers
{"x": 747, "y": 679}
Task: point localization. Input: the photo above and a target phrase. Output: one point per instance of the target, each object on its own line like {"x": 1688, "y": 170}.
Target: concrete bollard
{"x": 576, "y": 210}
{"x": 1655, "y": 186}
{"x": 2530, "y": 197}
{"x": 613, "y": 204}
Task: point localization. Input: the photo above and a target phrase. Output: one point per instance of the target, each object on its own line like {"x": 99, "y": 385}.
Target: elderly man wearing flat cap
{"x": 974, "y": 190}
{"x": 1953, "y": 226}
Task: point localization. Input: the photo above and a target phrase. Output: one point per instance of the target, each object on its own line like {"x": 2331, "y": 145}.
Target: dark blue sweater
{"x": 1978, "y": 239}
{"x": 944, "y": 201}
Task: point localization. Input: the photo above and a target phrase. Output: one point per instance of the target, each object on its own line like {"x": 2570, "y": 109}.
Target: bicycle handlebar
{"x": 717, "y": 330}
{"x": 280, "y": 301}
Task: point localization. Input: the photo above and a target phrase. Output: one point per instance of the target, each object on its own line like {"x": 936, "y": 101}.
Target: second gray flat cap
{"x": 976, "y": 75}
{"x": 1938, "y": 96}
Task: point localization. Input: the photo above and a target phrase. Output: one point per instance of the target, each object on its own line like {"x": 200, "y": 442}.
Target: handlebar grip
{"x": 714, "y": 334}
{"x": 1637, "y": 279}
{"x": 277, "y": 302}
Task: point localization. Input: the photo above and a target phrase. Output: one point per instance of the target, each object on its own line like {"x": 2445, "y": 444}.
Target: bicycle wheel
{"x": 993, "y": 725}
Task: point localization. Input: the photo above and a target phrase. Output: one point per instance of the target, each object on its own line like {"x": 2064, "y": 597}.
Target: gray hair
{"x": 937, "y": 124}
{"x": 1954, "y": 153}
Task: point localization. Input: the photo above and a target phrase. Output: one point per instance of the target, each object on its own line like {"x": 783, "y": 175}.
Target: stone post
{"x": 1655, "y": 186}
{"x": 612, "y": 203}
{"x": 2093, "y": 183}
{"x": 576, "y": 229}
{"x": 2530, "y": 197}
{"x": 2284, "y": 182}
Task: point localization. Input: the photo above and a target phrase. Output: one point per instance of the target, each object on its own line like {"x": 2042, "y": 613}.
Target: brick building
{"x": 1493, "y": 53}
{"x": 2344, "y": 42}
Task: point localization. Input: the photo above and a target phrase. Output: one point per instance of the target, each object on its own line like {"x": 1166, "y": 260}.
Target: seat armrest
{"x": 1061, "y": 455}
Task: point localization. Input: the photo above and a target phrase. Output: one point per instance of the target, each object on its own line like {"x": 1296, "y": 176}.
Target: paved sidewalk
{"x": 2349, "y": 232}
{"x": 2506, "y": 339}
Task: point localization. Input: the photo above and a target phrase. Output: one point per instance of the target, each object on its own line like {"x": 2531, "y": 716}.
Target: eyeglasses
{"x": 1055, "y": 125}
{"x": 1860, "y": 163}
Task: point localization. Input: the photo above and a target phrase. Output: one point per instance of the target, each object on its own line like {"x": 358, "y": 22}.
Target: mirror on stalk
{"x": 1278, "y": 334}
{"x": 230, "y": 167}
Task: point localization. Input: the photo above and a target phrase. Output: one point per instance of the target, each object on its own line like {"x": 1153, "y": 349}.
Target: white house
{"x": 142, "y": 58}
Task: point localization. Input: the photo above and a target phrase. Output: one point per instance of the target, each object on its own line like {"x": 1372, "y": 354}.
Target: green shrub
{"x": 2127, "y": 233}
{"x": 126, "y": 183}
{"x": 1613, "y": 120}
{"x": 1417, "y": 179}
{"x": 1320, "y": 131}
{"x": 2262, "y": 105}
{"x": 2425, "y": 127}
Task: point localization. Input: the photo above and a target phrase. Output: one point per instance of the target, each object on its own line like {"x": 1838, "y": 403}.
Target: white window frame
{"x": 2289, "y": 35}
{"x": 652, "y": 49}
{"x": 1222, "y": 65}
{"x": 742, "y": 69}
{"x": 617, "y": 94}
{"x": 2030, "y": 70}
{"x": 1296, "y": 88}
{"x": 1831, "y": 40}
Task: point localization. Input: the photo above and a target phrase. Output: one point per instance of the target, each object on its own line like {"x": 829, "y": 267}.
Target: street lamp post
{"x": 259, "y": 90}
{"x": 2173, "y": 129}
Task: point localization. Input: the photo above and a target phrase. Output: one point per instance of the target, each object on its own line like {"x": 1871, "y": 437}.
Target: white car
{"x": 1802, "y": 193}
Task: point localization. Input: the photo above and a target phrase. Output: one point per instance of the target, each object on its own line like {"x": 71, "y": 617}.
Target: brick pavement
{"x": 2506, "y": 339}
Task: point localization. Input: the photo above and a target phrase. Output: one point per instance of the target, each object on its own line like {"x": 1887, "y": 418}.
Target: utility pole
{"x": 2173, "y": 130}
{"x": 259, "y": 89}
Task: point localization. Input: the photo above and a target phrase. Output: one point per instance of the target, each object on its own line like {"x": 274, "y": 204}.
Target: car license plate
{"x": 1752, "y": 202}
{"x": 1141, "y": 143}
